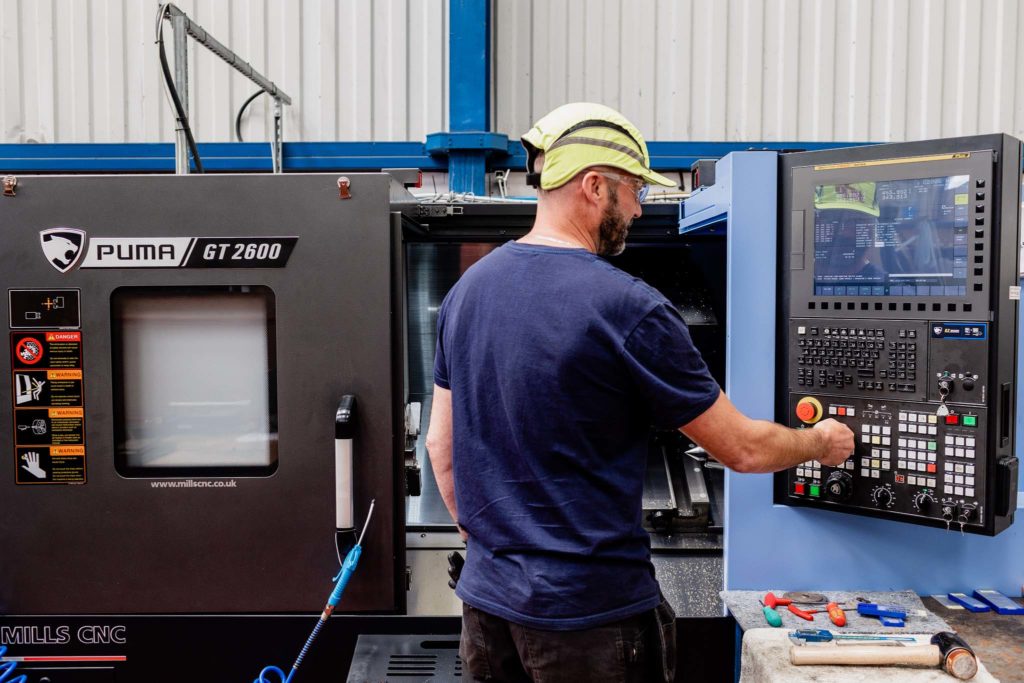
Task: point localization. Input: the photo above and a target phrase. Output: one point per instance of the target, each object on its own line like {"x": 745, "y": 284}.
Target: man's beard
{"x": 612, "y": 230}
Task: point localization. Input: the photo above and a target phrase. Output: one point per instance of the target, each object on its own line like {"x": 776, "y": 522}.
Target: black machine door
{"x": 178, "y": 350}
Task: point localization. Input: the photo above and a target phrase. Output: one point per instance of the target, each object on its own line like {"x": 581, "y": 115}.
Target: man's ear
{"x": 592, "y": 187}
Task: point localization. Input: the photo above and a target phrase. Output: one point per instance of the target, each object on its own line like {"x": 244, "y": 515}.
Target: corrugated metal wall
{"x": 881, "y": 70}
{"x": 86, "y": 70}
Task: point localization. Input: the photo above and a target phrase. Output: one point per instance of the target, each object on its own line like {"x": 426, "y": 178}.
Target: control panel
{"x": 898, "y": 317}
{"x": 906, "y": 459}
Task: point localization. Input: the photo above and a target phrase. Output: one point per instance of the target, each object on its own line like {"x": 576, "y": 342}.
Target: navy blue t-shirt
{"x": 558, "y": 364}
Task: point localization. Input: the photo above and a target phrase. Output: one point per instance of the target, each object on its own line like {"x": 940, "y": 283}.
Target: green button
{"x": 970, "y": 420}
{"x": 931, "y": 445}
{"x": 815, "y": 491}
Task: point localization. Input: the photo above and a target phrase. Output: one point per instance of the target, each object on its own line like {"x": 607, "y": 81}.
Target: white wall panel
{"x": 88, "y": 71}
{"x": 882, "y": 70}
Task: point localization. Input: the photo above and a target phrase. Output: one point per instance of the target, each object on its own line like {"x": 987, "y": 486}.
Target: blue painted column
{"x": 469, "y": 71}
{"x": 468, "y": 142}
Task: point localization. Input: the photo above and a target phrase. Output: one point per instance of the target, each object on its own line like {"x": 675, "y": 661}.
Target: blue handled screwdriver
{"x": 348, "y": 568}
{"x": 820, "y": 635}
{"x": 770, "y": 615}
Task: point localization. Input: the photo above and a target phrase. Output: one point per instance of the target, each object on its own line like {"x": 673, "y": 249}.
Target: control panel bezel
{"x": 992, "y": 164}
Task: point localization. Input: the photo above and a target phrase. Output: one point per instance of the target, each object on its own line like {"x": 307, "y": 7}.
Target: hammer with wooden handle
{"x": 947, "y": 650}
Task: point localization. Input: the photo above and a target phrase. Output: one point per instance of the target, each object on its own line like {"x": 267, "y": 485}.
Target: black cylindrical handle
{"x": 345, "y": 418}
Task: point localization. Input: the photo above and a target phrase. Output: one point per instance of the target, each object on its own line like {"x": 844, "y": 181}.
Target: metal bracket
{"x": 10, "y": 183}
{"x": 437, "y": 210}
{"x": 182, "y": 26}
{"x": 502, "y": 179}
{"x": 277, "y": 156}
{"x": 467, "y": 141}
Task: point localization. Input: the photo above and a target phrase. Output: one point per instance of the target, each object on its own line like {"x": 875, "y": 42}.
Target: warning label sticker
{"x": 47, "y": 349}
{"x": 47, "y": 388}
{"x": 49, "y": 408}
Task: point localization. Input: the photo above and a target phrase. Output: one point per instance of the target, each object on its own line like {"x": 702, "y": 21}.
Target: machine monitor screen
{"x": 891, "y": 238}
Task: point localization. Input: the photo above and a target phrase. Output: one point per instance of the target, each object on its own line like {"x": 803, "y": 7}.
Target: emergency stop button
{"x": 809, "y": 410}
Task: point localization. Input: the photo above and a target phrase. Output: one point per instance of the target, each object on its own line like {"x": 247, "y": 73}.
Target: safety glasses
{"x": 638, "y": 186}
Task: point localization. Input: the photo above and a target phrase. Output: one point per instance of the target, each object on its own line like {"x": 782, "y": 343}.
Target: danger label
{"x": 49, "y": 408}
{"x": 47, "y": 350}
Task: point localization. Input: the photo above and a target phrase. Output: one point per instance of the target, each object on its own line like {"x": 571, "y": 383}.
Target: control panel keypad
{"x": 880, "y": 360}
{"x": 917, "y": 447}
{"x": 839, "y": 356}
{"x": 902, "y": 365}
{"x": 810, "y": 469}
{"x": 958, "y": 479}
{"x": 907, "y": 459}
{"x": 960, "y": 448}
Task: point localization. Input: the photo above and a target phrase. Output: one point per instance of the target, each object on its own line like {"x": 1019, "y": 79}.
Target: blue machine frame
{"x": 249, "y": 157}
{"x": 835, "y": 550}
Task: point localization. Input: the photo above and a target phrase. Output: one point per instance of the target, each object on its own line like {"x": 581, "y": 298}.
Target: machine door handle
{"x": 1005, "y": 413}
{"x": 344, "y": 435}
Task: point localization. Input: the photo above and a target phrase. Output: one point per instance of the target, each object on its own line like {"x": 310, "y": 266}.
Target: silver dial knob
{"x": 882, "y": 497}
{"x": 923, "y": 502}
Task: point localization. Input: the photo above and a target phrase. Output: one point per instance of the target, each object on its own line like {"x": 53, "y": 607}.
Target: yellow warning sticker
{"x": 67, "y": 450}
{"x": 74, "y": 374}
{"x": 887, "y": 162}
{"x": 67, "y": 412}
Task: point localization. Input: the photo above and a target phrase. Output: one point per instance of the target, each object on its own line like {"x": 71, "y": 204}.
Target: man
{"x": 551, "y": 367}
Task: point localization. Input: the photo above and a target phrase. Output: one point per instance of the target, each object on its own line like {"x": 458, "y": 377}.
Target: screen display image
{"x": 891, "y": 238}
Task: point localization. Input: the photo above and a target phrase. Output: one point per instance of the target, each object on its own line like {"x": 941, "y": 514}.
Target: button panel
{"x": 905, "y": 447}
{"x": 885, "y": 359}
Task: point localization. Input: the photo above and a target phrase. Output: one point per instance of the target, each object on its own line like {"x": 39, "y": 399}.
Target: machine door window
{"x": 194, "y": 381}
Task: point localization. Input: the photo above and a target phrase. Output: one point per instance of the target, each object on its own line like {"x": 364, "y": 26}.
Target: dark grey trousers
{"x": 638, "y": 649}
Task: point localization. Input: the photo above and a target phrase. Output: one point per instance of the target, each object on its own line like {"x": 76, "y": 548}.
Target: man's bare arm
{"x": 439, "y": 447}
{"x": 746, "y": 445}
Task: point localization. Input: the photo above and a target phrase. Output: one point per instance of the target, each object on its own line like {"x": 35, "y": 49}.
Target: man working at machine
{"x": 551, "y": 367}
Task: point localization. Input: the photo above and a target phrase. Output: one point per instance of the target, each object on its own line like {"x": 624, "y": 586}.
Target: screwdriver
{"x": 835, "y": 613}
{"x": 810, "y": 635}
{"x": 771, "y": 601}
{"x": 771, "y": 616}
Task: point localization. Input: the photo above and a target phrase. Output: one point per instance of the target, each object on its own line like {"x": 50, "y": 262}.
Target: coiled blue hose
{"x": 7, "y": 670}
{"x": 270, "y": 670}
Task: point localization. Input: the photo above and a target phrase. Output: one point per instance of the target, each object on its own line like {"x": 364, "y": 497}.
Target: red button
{"x": 842, "y": 411}
{"x": 931, "y": 468}
{"x": 805, "y": 411}
{"x": 798, "y": 489}
{"x": 952, "y": 419}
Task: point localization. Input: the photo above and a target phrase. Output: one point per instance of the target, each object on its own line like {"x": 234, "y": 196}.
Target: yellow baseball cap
{"x": 579, "y": 135}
